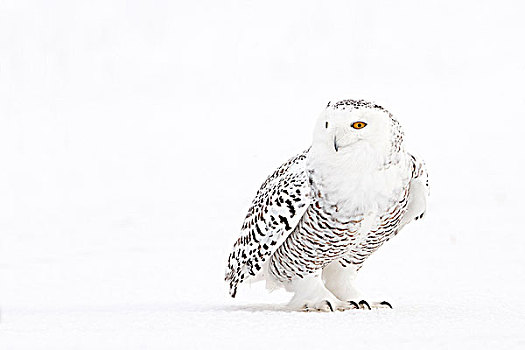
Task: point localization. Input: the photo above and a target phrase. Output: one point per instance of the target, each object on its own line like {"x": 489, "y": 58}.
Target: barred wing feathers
{"x": 275, "y": 212}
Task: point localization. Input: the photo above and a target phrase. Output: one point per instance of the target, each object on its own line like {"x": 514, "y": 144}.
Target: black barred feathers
{"x": 275, "y": 212}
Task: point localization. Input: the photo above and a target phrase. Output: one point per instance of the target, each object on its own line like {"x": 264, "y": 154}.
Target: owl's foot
{"x": 310, "y": 294}
{"x": 337, "y": 305}
{"x": 365, "y": 305}
{"x": 329, "y": 306}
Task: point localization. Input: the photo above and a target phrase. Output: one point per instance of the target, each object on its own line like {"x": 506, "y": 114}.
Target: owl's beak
{"x": 336, "y": 147}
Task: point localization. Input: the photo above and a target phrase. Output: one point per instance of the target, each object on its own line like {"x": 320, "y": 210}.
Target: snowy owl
{"x": 318, "y": 217}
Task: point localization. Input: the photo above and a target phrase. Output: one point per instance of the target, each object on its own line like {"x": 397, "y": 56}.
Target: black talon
{"x": 365, "y": 303}
{"x": 386, "y": 303}
{"x": 354, "y": 304}
{"x": 329, "y": 305}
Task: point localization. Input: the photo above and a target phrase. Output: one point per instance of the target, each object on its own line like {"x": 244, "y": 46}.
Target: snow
{"x": 133, "y": 136}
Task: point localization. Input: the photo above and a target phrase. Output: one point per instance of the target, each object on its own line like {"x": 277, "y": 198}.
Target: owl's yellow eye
{"x": 358, "y": 125}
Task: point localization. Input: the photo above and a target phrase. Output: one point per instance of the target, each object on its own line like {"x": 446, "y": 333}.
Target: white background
{"x": 134, "y": 134}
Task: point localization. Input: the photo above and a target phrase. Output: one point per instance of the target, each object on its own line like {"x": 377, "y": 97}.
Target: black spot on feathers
{"x": 285, "y": 222}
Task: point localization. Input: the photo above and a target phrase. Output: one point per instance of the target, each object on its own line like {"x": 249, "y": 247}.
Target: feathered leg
{"x": 310, "y": 294}
{"x": 340, "y": 280}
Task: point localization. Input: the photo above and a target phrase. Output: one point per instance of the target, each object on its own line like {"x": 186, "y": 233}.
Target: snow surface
{"x": 134, "y": 135}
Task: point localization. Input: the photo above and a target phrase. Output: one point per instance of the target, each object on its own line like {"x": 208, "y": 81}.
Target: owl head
{"x": 356, "y": 126}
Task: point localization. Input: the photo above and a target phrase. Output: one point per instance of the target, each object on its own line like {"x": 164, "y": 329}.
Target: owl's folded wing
{"x": 275, "y": 212}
